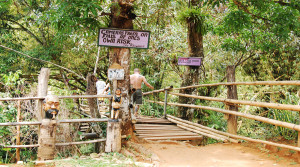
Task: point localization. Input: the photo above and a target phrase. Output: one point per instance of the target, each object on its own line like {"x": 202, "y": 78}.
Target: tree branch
{"x": 44, "y": 61}
{"x": 26, "y": 30}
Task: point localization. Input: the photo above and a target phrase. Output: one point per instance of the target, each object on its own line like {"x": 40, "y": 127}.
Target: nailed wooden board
{"x": 162, "y": 129}
{"x": 174, "y": 138}
{"x": 153, "y": 121}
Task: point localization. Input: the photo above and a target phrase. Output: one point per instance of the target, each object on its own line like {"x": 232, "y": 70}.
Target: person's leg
{"x": 136, "y": 110}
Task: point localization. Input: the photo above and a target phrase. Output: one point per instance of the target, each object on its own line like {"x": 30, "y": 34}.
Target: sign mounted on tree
{"x": 190, "y": 61}
{"x": 115, "y": 72}
{"x": 124, "y": 38}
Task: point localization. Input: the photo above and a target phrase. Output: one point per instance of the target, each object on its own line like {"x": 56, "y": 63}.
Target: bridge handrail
{"x": 297, "y": 83}
{"x": 249, "y": 116}
{"x": 60, "y": 97}
{"x": 243, "y": 102}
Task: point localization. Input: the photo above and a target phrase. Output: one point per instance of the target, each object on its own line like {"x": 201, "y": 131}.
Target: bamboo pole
{"x": 249, "y": 116}
{"x": 245, "y": 83}
{"x": 80, "y": 142}
{"x": 157, "y": 91}
{"x": 243, "y": 102}
{"x": 165, "y": 105}
{"x": 18, "y": 141}
{"x": 60, "y": 97}
{"x": 57, "y": 144}
{"x": 202, "y": 132}
{"x": 60, "y": 121}
{"x": 19, "y": 146}
{"x": 241, "y": 137}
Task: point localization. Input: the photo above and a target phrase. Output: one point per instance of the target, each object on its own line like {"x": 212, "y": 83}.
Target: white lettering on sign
{"x": 115, "y": 74}
{"x": 124, "y": 38}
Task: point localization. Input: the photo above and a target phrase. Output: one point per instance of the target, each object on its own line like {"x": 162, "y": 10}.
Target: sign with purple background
{"x": 123, "y": 38}
{"x": 189, "y": 61}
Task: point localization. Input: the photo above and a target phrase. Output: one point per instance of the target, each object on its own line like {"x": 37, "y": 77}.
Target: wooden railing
{"x": 194, "y": 126}
{"x": 18, "y": 124}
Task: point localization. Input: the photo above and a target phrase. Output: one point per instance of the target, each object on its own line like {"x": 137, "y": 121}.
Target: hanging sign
{"x": 115, "y": 72}
{"x": 189, "y": 61}
{"x": 124, "y": 38}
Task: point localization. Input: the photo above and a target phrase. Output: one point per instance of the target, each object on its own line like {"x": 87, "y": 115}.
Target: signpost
{"x": 124, "y": 38}
{"x": 190, "y": 61}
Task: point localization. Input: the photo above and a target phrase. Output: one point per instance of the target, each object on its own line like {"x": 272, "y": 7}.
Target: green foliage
{"x": 196, "y": 17}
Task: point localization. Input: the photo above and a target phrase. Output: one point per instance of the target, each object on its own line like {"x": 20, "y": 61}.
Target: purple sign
{"x": 189, "y": 61}
{"x": 124, "y": 38}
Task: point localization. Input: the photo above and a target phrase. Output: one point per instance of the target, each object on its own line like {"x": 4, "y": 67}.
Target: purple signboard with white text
{"x": 124, "y": 38}
{"x": 189, "y": 61}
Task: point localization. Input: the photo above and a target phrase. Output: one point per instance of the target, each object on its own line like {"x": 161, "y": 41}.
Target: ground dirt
{"x": 182, "y": 154}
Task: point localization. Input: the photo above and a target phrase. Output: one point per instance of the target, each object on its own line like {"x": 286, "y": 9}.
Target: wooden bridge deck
{"x": 162, "y": 129}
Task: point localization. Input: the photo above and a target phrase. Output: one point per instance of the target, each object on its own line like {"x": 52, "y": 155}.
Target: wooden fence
{"x": 19, "y": 123}
{"x": 232, "y": 124}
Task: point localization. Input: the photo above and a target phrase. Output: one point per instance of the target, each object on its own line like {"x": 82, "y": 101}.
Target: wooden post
{"x": 165, "y": 105}
{"x": 231, "y": 94}
{"x": 18, "y": 142}
{"x": 46, "y": 150}
{"x": 299, "y": 141}
{"x": 113, "y": 137}
{"x": 42, "y": 91}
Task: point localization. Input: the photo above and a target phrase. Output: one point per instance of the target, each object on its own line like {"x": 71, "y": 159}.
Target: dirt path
{"x": 180, "y": 154}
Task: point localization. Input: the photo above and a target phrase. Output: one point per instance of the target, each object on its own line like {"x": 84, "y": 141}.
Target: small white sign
{"x": 116, "y": 74}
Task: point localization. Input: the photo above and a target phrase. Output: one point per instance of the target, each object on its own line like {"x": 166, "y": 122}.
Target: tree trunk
{"x": 122, "y": 18}
{"x": 192, "y": 73}
{"x": 91, "y": 90}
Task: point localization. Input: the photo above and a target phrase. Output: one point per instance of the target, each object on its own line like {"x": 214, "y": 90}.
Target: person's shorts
{"x": 138, "y": 97}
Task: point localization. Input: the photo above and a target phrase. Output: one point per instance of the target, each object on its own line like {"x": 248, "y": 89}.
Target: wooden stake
{"x": 113, "y": 137}
{"x": 231, "y": 94}
{"x": 18, "y": 141}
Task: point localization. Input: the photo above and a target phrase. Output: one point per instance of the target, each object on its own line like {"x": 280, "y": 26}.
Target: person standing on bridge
{"x": 136, "y": 81}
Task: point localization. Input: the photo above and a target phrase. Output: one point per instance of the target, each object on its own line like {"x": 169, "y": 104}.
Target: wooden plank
{"x": 166, "y": 135}
{"x": 174, "y": 138}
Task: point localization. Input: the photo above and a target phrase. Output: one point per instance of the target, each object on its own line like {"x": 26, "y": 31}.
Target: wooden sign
{"x": 190, "y": 61}
{"x": 124, "y": 38}
{"x": 115, "y": 72}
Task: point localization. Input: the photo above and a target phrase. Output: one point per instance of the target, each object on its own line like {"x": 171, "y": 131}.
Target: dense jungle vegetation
{"x": 259, "y": 37}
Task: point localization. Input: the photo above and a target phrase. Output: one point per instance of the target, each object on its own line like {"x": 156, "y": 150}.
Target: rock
{"x": 95, "y": 155}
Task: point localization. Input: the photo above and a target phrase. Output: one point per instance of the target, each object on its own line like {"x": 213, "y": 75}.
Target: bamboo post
{"x": 18, "y": 141}
{"x": 231, "y": 94}
{"x": 165, "y": 105}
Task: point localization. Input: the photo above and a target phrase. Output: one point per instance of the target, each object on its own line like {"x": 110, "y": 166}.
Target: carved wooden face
{"x": 52, "y": 102}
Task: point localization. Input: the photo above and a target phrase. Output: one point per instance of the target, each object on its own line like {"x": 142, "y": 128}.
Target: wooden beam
{"x": 60, "y": 97}
{"x": 243, "y": 102}
{"x": 249, "y": 116}
{"x": 244, "y": 83}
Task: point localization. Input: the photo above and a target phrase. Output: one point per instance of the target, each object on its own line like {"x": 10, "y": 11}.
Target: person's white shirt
{"x": 100, "y": 85}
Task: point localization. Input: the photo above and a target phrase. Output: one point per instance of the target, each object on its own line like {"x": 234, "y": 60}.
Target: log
{"x": 244, "y": 83}
{"x": 249, "y": 116}
{"x": 241, "y": 137}
{"x": 243, "y": 102}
